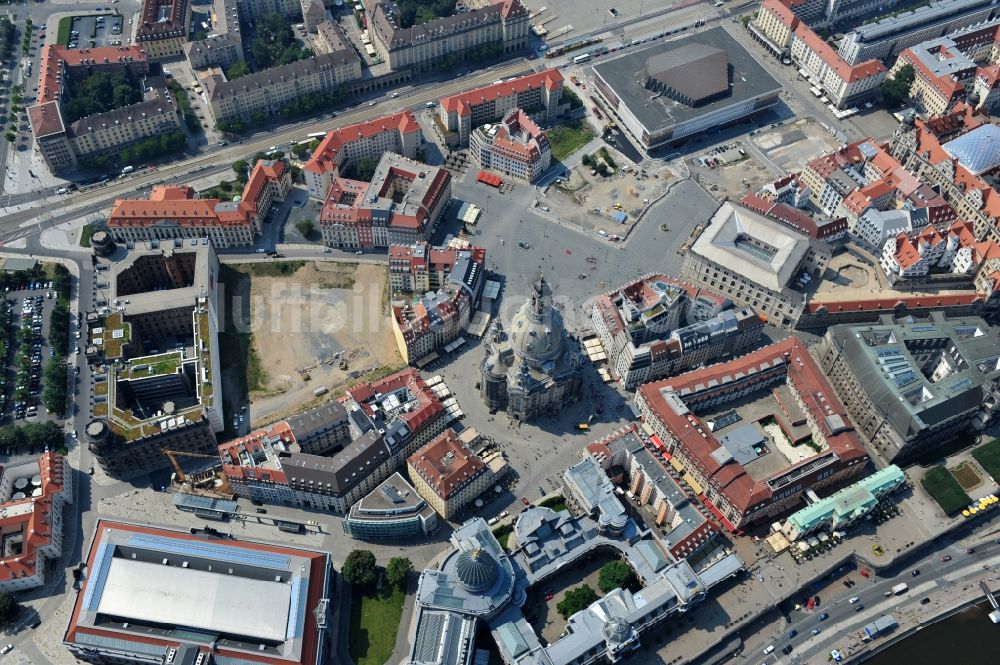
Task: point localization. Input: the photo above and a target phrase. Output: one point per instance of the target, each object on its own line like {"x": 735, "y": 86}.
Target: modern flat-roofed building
{"x": 514, "y": 147}
{"x": 393, "y": 511}
{"x": 163, "y": 388}
{"x": 448, "y": 475}
{"x": 401, "y": 205}
{"x": 672, "y": 90}
{"x": 162, "y": 27}
{"x": 755, "y": 261}
{"x": 174, "y": 212}
{"x": 753, "y": 434}
{"x": 32, "y": 496}
{"x": 343, "y": 147}
{"x": 169, "y": 596}
{"x": 540, "y": 93}
{"x": 913, "y": 385}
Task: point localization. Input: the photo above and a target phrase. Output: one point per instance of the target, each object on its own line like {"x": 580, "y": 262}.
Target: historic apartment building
{"x": 722, "y": 425}
{"x": 658, "y": 325}
{"x": 173, "y": 212}
{"x": 538, "y": 94}
{"x": 912, "y": 385}
{"x": 755, "y": 261}
{"x": 515, "y": 147}
{"x": 420, "y": 47}
{"x": 162, "y": 27}
{"x": 448, "y": 475}
{"x": 402, "y": 204}
{"x": 343, "y": 147}
{"x": 450, "y": 282}
{"x": 63, "y": 144}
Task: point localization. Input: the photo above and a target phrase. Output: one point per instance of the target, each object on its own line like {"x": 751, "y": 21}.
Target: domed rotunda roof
{"x": 536, "y": 330}
{"x": 616, "y": 630}
{"x": 476, "y": 570}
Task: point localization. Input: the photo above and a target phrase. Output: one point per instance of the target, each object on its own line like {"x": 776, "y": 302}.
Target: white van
{"x": 769, "y": 650}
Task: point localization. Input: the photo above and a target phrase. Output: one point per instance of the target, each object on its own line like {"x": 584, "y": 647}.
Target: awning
{"x": 667, "y": 456}
{"x": 693, "y": 484}
{"x": 718, "y": 513}
{"x": 656, "y": 441}
{"x": 678, "y": 467}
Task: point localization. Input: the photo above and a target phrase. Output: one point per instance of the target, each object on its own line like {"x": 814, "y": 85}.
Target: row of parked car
{"x": 28, "y": 380}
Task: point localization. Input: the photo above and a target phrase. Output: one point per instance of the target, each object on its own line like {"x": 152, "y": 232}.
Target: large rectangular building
{"x": 173, "y": 212}
{"x": 755, "y": 261}
{"x": 157, "y": 595}
{"x": 448, "y": 475}
{"x": 913, "y": 385}
{"x": 540, "y": 92}
{"x": 163, "y": 27}
{"x": 750, "y": 436}
{"x": 672, "y": 90}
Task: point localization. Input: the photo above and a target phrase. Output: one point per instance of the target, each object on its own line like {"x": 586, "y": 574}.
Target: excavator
{"x": 208, "y": 483}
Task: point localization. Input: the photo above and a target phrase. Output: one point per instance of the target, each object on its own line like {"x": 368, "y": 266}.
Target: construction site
{"x": 315, "y": 328}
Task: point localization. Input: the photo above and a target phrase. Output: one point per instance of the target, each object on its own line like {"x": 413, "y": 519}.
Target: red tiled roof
{"x": 833, "y": 60}
{"x": 462, "y": 103}
{"x": 889, "y": 304}
{"x": 35, "y": 525}
{"x": 446, "y": 464}
{"x": 324, "y": 157}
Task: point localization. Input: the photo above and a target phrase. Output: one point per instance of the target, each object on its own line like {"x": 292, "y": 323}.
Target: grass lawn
{"x": 270, "y": 268}
{"x": 374, "y": 623}
{"x": 556, "y": 503}
{"x": 568, "y": 137}
{"x": 944, "y": 489}
{"x": 85, "y": 234}
{"x": 988, "y": 456}
{"x": 502, "y": 534}
{"x": 65, "y": 27}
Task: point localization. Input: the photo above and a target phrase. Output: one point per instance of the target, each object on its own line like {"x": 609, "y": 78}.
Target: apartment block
{"x": 448, "y": 475}
{"x": 953, "y": 251}
{"x": 162, "y": 27}
{"x": 913, "y": 385}
{"x": 515, "y": 148}
{"x": 787, "y": 35}
{"x": 173, "y": 212}
{"x": 163, "y": 388}
{"x": 445, "y": 309}
{"x": 32, "y": 496}
{"x": 346, "y": 449}
{"x": 657, "y": 326}
{"x": 753, "y": 434}
{"x": 341, "y": 148}
{"x": 942, "y": 74}
{"x": 402, "y": 204}
{"x": 538, "y": 94}
{"x": 62, "y": 144}
{"x": 501, "y": 23}
{"x": 267, "y": 91}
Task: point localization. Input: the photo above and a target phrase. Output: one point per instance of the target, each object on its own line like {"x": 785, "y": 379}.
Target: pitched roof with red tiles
{"x": 790, "y": 357}
{"x": 238, "y": 454}
{"x": 447, "y": 464}
{"x": 783, "y": 10}
{"x": 462, "y": 103}
{"x": 31, "y": 517}
{"x": 846, "y": 72}
{"x": 324, "y": 158}
{"x": 161, "y": 18}
{"x": 428, "y": 407}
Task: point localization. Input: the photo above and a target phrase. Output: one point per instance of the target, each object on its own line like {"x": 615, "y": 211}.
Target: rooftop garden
{"x": 113, "y": 345}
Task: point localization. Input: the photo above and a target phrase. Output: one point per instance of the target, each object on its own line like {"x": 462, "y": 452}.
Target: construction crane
{"x": 199, "y": 480}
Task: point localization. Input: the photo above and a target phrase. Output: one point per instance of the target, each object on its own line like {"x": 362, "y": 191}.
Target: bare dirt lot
{"x": 589, "y": 200}
{"x": 295, "y": 322}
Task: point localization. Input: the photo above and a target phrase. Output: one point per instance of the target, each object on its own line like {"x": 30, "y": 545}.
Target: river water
{"x": 968, "y": 638}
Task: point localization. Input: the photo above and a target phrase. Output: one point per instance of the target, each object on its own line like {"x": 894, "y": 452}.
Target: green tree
{"x": 575, "y": 600}
{"x": 8, "y": 608}
{"x": 54, "y": 395}
{"x": 616, "y": 575}
{"x": 896, "y": 89}
{"x": 359, "y": 568}
{"x": 306, "y": 227}
{"x": 365, "y": 169}
{"x": 237, "y": 69}
{"x": 240, "y": 168}
{"x": 397, "y": 570}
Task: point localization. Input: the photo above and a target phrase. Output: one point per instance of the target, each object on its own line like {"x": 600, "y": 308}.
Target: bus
{"x": 316, "y": 135}
{"x": 581, "y": 59}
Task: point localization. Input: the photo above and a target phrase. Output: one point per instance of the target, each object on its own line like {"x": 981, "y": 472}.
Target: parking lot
{"x": 96, "y": 30}
{"x": 27, "y": 350}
